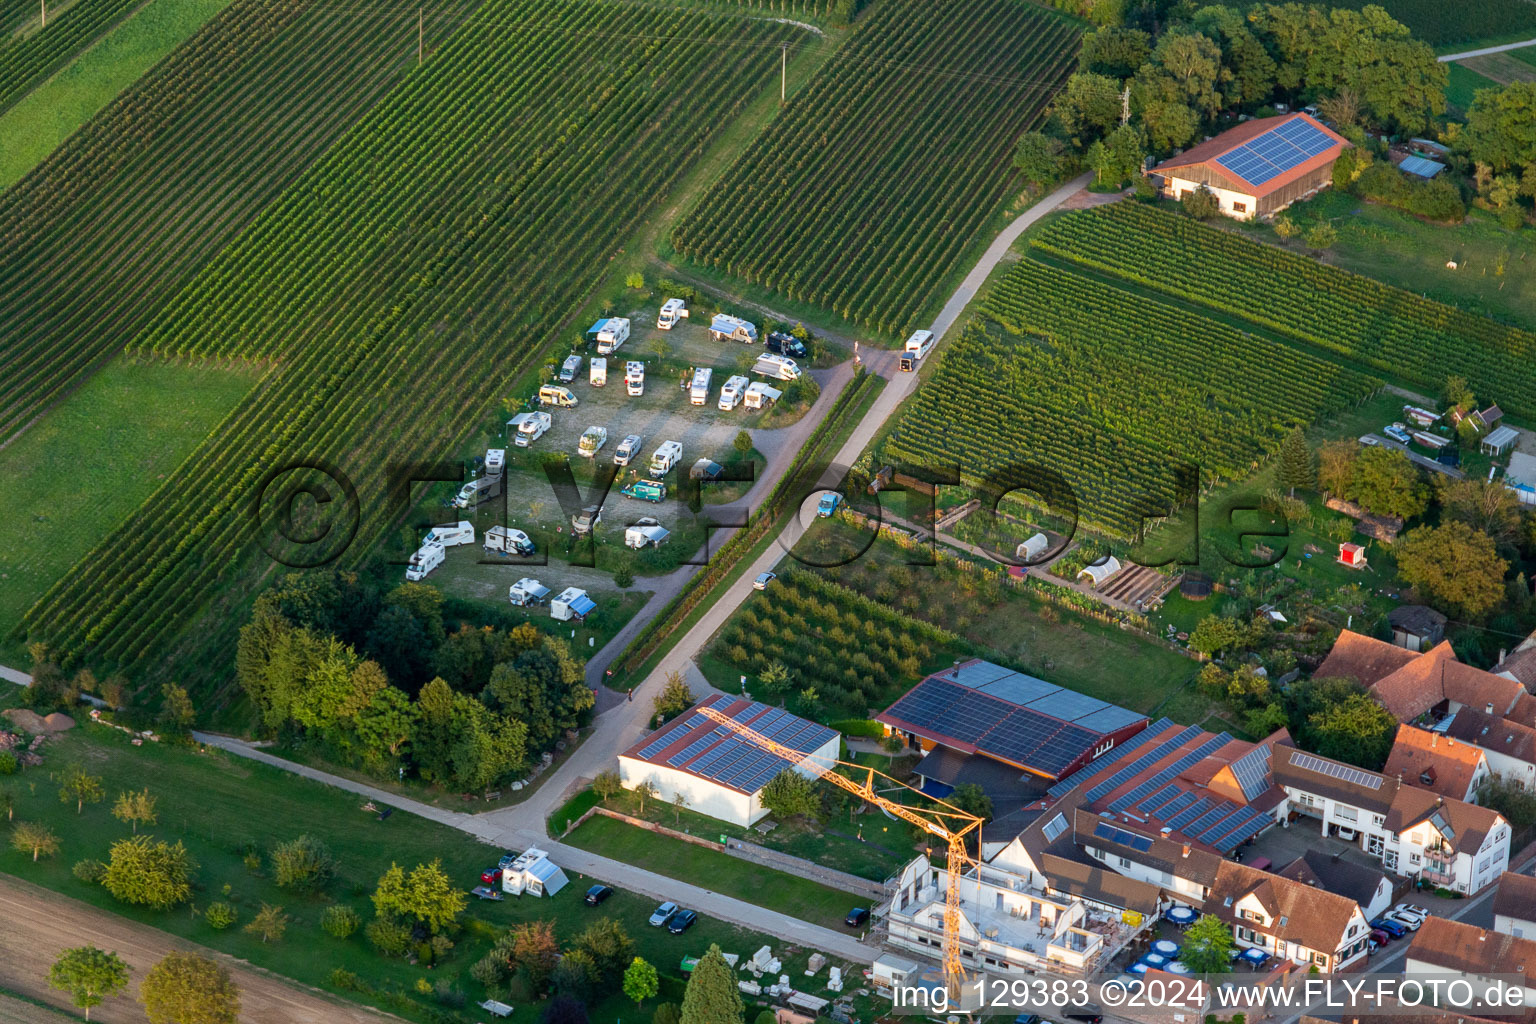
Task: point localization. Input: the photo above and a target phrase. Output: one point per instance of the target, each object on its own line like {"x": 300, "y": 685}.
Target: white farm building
{"x": 717, "y": 771}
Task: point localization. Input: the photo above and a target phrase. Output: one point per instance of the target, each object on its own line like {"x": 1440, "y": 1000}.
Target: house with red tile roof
{"x": 1444, "y": 947}
{"x": 1413, "y": 684}
{"x": 1437, "y": 763}
{"x": 1514, "y": 906}
{"x": 1257, "y": 168}
{"x": 1290, "y": 920}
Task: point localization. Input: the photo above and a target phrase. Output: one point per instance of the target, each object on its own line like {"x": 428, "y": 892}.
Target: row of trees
{"x": 182, "y": 988}
{"x": 598, "y": 961}
{"x": 485, "y": 700}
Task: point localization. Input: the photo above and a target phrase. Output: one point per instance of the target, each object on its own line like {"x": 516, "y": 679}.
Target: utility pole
{"x": 418, "y": 37}
{"x": 783, "y": 70}
{"x": 1125, "y": 106}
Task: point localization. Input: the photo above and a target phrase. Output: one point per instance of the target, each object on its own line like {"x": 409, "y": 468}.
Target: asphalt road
{"x": 1486, "y": 50}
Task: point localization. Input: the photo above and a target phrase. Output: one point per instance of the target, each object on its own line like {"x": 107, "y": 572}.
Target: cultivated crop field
{"x": 862, "y": 196}
{"x": 1440, "y": 23}
{"x": 1346, "y": 315}
{"x": 29, "y": 53}
{"x": 1111, "y": 390}
{"x": 378, "y": 286}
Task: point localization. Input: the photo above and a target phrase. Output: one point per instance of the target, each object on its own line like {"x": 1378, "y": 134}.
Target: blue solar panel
{"x": 1189, "y": 814}
{"x": 1141, "y": 763}
{"x": 1121, "y": 836}
{"x": 1201, "y": 827}
{"x": 693, "y": 749}
{"x": 1276, "y": 151}
{"x": 1182, "y": 801}
{"x": 1258, "y": 824}
{"x": 660, "y": 743}
{"x": 1221, "y": 835}
{"x": 1171, "y": 771}
{"x": 1157, "y": 799}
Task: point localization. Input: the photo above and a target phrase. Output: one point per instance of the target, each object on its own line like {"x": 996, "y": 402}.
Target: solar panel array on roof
{"x": 1108, "y": 719}
{"x": 696, "y": 748}
{"x": 1189, "y": 814}
{"x": 662, "y": 740}
{"x": 1276, "y": 151}
{"x": 1252, "y": 771}
{"x": 977, "y": 673}
{"x": 1170, "y": 771}
{"x": 1055, "y": 827}
{"x": 1333, "y": 769}
{"x": 1158, "y": 799}
{"x": 1121, "y": 836}
{"x": 1141, "y": 763}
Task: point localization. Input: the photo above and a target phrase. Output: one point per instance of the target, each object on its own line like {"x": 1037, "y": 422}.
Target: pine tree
{"x": 1296, "y": 466}
{"x": 712, "y": 996}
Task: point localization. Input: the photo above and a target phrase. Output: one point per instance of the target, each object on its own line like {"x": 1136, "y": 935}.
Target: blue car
{"x": 1389, "y": 926}
{"x": 828, "y": 504}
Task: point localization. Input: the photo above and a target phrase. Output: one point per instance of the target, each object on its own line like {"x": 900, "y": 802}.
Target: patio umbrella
{"x": 1180, "y": 915}
{"x": 1153, "y": 960}
{"x": 1136, "y": 968}
{"x": 1177, "y": 967}
{"x": 1255, "y": 956}
{"x": 1166, "y": 947}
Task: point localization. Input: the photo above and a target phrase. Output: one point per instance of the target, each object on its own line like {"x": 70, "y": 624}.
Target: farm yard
{"x": 833, "y": 207}
{"x": 418, "y": 225}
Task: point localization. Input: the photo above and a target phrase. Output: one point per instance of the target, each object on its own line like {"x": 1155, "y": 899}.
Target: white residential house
{"x": 1514, "y": 906}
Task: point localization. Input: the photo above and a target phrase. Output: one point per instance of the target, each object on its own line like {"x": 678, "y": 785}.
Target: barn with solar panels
{"x": 717, "y": 771}
{"x": 1043, "y": 732}
{"x": 1258, "y": 168}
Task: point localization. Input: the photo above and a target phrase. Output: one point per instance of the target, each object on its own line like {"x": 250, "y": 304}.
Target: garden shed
{"x": 1352, "y": 555}
{"x": 1499, "y": 441}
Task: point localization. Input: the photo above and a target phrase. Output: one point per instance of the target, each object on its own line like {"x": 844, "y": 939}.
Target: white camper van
{"x": 916, "y": 347}
{"x": 628, "y": 448}
{"x": 650, "y": 534}
{"x": 777, "y": 367}
{"x": 732, "y": 328}
{"x": 530, "y": 427}
{"x": 612, "y": 336}
{"x": 667, "y": 456}
{"x": 634, "y": 378}
{"x": 527, "y": 592}
{"x": 698, "y": 391}
{"x": 572, "y": 603}
{"x": 672, "y": 311}
{"x": 495, "y": 461}
{"x": 731, "y": 395}
{"x": 598, "y": 375}
{"x": 451, "y": 534}
{"x": 760, "y": 395}
{"x": 507, "y": 541}
{"x": 478, "y": 491}
{"x": 554, "y": 394}
{"x": 592, "y": 440}
{"x": 426, "y": 558}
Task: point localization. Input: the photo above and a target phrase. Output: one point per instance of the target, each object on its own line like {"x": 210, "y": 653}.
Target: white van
{"x": 427, "y": 558}
{"x": 760, "y": 395}
{"x": 592, "y": 441}
{"x": 698, "y": 391}
{"x": 451, "y": 534}
{"x": 731, "y": 394}
{"x": 530, "y": 427}
{"x": 777, "y": 367}
{"x": 554, "y": 394}
{"x": 612, "y": 336}
{"x": 495, "y": 461}
{"x": 628, "y": 448}
{"x": 634, "y": 378}
{"x": 569, "y": 369}
{"x": 599, "y": 372}
{"x": 672, "y": 311}
{"x": 916, "y": 347}
{"x": 665, "y": 457}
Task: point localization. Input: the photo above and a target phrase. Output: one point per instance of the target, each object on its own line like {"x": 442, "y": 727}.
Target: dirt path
{"x": 39, "y": 924}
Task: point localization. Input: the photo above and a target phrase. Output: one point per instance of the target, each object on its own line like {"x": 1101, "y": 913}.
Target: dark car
{"x": 681, "y": 921}
{"x": 781, "y": 344}
{"x": 597, "y": 894}
{"x": 1028, "y": 1018}
{"x": 856, "y": 917}
{"x": 1380, "y": 937}
{"x": 1392, "y": 928}
{"x": 1090, "y": 1012}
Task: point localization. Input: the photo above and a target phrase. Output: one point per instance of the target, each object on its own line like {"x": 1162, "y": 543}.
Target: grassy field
{"x": 72, "y": 477}
{"x": 720, "y": 872}
{"x": 223, "y": 808}
{"x": 49, "y": 114}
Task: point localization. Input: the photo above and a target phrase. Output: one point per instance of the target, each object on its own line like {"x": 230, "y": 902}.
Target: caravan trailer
{"x": 698, "y": 391}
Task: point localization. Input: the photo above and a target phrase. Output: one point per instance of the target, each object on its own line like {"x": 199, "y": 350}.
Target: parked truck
{"x": 599, "y": 372}
{"x": 634, "y": 378}
{"x": 612, "y": 336}
{"x": 698, "y": 391}
{"x": 592, "y": 440}
{"x": 628, "y": 448}
{"x": 507, "y": 541}
{"x": 645, "y": 490}
{"x": 916, "y": 347}
{"x": 478, "y": 491}
{"x": 672, "y": 311}
{"x": 665, "y": 457}
{"x": 777, "y": 367}
{"x": 426, "y": 558}
{"x": 530, "y": 427}
{"x": 731, "y": 395}
{"x": 451, "y": 534}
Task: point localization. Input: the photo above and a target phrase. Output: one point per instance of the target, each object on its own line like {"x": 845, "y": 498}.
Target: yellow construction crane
{"x": 951, "y": 824}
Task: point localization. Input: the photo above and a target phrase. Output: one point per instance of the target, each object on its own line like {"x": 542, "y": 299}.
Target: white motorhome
{"x": 760, "y": 395}
{"x": 572, "y": 603}
{"x": 634, "y": 378}
{"x": 665, "y": 457}
{"x": 495, "y": 461}
{"x": 777, "y": 367}
{"x": 478, "y": 492}
{"x": 698, "y": 391}
{"x": 426, "y": 558}
{"x": 732, "y": 328}
{"x": 916, "y": 347}
{"x": 451, "y": 534}
{"x": 531, "y": 427}
{"x": 731, "y": 395}
{"x": 598, "y": 375}
{"x": 628, "y": 448}
{"x": 645, "y": 535}
{"x": 569, "y": 369}
{"x": 672, "y": 311}
{"x": 527, "y": 592}
{"x": 507, "y": 541}
{"x": 592, "y": 440}
{"x": 612, "y": 336}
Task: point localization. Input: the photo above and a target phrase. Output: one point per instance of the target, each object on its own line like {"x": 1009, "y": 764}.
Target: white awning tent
{"x": 1032, "y": 548}
{"x": 533, "y": 874}
{"x": 1101, "y": 570}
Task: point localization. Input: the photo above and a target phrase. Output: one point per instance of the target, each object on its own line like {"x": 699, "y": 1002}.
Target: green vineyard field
{"x": 1441, "y": 23}
{"x": 1381, "y": 328}
{"x": 29, "y": 53}
{"x": 864, "y": 193}
{"x": 1111, "y": 390}
{"x": 403, "y": 283}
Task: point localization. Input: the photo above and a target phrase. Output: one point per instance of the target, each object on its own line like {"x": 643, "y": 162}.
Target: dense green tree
{"x": 1118, "y": 158}
{"x": 1206, "y": 946}
{"x": 640, "y": 981}
{"x": 1216, "y": 634}
{"x": 1169, "y": 125}
{"x": 575, "y": 976}
{"x": 667, "y": 1013}
{"x": 136, "y": 808}
{"x": 1357, "y": 730}
{"x": 532, "y": 948}
{"x": 607, "y": 785}
{"x": 972, "y": 799}
{"x": 1509, "y": 798}
{"x": 1386, "y": 482}
{"x": 269, "y": 924}
{"x": 185, "y": 988}
{"x": 89, "y": 975}
{"x": 1501, "y": 128}
{"x": 712, "y": 996}
{"x": 80, "y": 787}
{"x": 304, "y": 864}
{"x": 790, "y": 794}
{"x": 176, "y": 711}
{"x": 1039, "y": 159}
{"x": 34, "y": 838}
{"x": 1247, "y": 70}
{"x": 424, "y": 895}
{"x": 149, "y": 873}
{"x": 609, "y": 946}
{"x": 674, "y": 698}
{"x": 1485, "y": 506}
{"x": 535, "y": 690}
{"x": 1114, "y": 51}
{"x": 1296, "y": 468}
{"x": 1455, "y": 567}
{"x": 1200, "y": 204}
{"x": 1088, "y": 107}
{"x": 384, "y": 728}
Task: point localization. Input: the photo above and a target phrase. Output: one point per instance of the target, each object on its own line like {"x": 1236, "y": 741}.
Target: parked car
{"x": 491, "y": 877}
{"x": 681, "y": 921}
{"x": 1389, "y": 926}
{"x": 1380, "y": 937}
{"x": 1349, "y": 835}
{"x": 597, "y": 894}
{"x": 1409, "y": 921}
{"x": 781, "y": 344}
{"x": 1090, "y": 1012}
{"x": 1420, "y": 914}
{"x": 856, "y": 917}
{"x": 663, "y": 912}
{"x": 828, "y": 504}
{"x": 763, "y": 579}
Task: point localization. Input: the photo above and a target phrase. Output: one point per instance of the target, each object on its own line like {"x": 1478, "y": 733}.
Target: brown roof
{"x": 1490, "y": 732}
{"x": 1521, "y": 664}
{"x": 1206, "y": 153}
{"x": 1524, "y": 710}
{"x": 1428, "y": 760}
{"x": 1316, "y": 918}
{"x": 1095, "y": 882}
{"x": 1335, "y": 874}
{"x": 1454, "y": 946}
{"x": 1186, "y": 860}
{"x": 1516, "y": 896}
{"x": 1373, "y": 791}
{"x": 1363, "y": 658}
{"x": 1468, "y": 823}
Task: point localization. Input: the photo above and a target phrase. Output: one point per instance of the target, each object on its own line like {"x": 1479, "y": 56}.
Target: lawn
{"x": 87, "y": 464}
{"x": 720, "y": 872}
{"x": 52, "y": 112}
{"x": 223, "y": 807}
